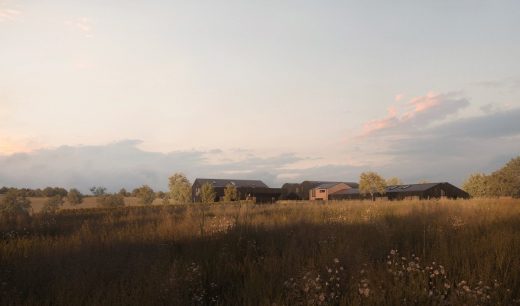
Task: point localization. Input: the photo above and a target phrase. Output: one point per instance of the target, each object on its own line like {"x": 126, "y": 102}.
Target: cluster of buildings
{"x": 259, "y": 192}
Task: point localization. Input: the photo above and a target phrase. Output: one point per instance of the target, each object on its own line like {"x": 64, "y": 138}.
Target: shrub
{"x": 207, "y": 193}
{"x": 14, "y": 202}
{"x": 74, "y": 197}
{"x": 111, "y": 200}
{"x": 53, "y": 204}
{"x": 230, "y": 193}
{"x": 145, "y": 195}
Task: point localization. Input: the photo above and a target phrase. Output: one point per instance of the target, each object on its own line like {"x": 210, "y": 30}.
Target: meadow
{"x": 438, "y": 252}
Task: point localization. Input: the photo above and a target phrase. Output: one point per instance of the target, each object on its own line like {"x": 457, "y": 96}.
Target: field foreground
{"x": 342, "y": 253}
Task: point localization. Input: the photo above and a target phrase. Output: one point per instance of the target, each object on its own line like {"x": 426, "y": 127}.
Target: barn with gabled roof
{"x": 254, "y": 190}
{"x": 409, "y": 191}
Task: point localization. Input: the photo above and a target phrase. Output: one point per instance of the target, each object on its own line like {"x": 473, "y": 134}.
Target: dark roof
{"x": 237, "y": 183}
{"x": 410, "y": 187}
{"x": 328, "y": 185}
{"x": 347, "y": 191}
{"x": 395, "y": 188}
{"x": 319, "y": 183}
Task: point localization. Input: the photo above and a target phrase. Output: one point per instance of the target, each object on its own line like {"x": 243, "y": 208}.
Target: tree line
{"x": 505, "y": 182}
{"x": 17, "y": 200}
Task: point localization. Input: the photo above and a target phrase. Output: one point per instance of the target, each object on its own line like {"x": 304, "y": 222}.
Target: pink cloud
{"x": 82, "y": 24}
{"x": 421, "y": 112}
{"x": 398, "y": 97}
{"x": 10, "y": 145}
{"x": 7, "y": 14}
{"x": 381, "y": 124}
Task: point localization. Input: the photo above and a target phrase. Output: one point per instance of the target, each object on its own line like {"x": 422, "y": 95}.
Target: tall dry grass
{"x": 300, "y": 253}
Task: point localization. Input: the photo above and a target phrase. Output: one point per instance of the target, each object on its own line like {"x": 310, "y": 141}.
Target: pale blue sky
{"x": 345, "y": 85}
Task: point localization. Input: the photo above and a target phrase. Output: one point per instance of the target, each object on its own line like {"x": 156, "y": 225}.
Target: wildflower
{"x": 322, "y": 297}
{"x": 364, "y": 291}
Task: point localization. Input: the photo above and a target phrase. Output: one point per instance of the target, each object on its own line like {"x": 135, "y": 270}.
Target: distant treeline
{"x": 45, "y": 192}
{"x": 504, "y": 182}
{"x": 49, "y": 192}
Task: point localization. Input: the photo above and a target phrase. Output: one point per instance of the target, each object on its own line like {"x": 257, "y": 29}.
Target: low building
{"x": 407, "y": 192}
{"x": 301, "y": 191}
{"x": 322, "y": 191}
{"x": 254, "y": 190}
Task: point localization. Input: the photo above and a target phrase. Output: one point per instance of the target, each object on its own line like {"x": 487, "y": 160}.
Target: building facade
{"x": 251, "y": 190}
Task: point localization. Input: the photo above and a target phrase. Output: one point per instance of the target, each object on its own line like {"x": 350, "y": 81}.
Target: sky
{"x": 124, "y": 93}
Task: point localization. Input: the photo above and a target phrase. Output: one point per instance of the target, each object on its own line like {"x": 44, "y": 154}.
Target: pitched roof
{"x": 410, "y": 187}
{"x": 347, "y": 191}
{"x": 237, "y": 183}
{"x": 328, "y": 185}
{"x": 320, "y": 183}
{"x": 395, "y": 188}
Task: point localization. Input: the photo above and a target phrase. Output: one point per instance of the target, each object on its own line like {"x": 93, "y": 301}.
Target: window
{"x": 322, "y": 190}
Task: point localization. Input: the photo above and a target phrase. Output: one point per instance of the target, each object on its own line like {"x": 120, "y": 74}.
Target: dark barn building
{"x": 254, "y": 190}
{"x": 411, "y": 191}
{"x": 291, "y": 191}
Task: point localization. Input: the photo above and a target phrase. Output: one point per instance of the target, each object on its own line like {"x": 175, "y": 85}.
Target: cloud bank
{"x": 426, "y": 141}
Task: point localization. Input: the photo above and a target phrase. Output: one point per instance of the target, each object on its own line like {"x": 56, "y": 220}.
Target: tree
{"x": 477, "y": 185}
{"x": 146, "y": 195}
{"x": 180, "y": 188}
{"x": 230, "y": 193}
{"x": 74, "y": 197}
{"x": 49, "y": 192}
{"x": 371, "y": 183}
{"x": 111, "y": 200}
{"x": 4, "y": 190}
{"x": 393, "y": 181}
{"x": 98, "y": 191}
{"x": 166, "y": 199}
{"x": 53, "y": 204}
{"x": 60, "y": 191}
{"x": 506, "y": 181}
{"x": 14, "y": 202}
{"x": 207, "y": 193}
{"x": 123, "y": 192}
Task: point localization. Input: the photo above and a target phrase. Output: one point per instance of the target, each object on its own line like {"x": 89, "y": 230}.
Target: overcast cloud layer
{"x": 445, "y": 152}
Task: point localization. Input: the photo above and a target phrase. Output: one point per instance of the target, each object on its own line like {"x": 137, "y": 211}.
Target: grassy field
{"x": 342, "y": 253}
{"x": 88, "y": 202}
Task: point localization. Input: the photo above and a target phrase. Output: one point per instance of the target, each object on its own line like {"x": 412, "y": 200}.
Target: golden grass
{"x": 88, "y": 202}
{"x": 290, "y": 253}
